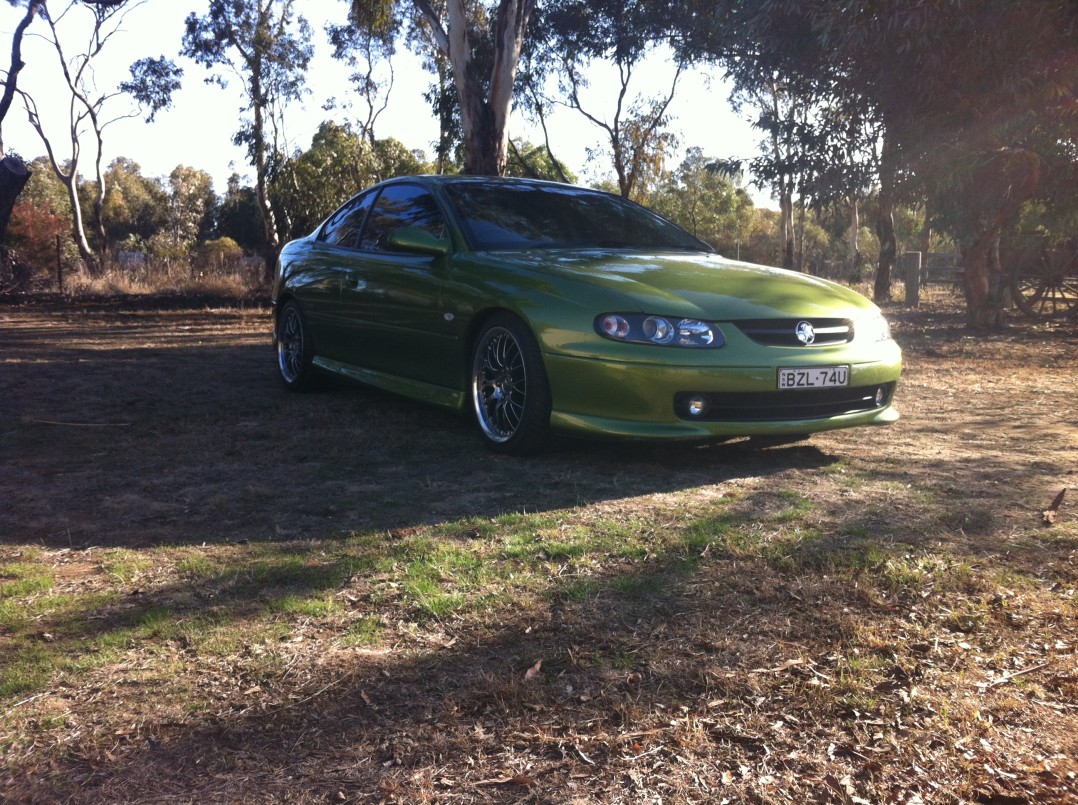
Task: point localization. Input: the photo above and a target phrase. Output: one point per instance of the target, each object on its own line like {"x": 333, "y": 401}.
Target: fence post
{"x": 59, "y": 266}
{"x": 909, "y": 266}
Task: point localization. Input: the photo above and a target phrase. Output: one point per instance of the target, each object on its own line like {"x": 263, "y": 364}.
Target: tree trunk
{"x": 984, "y": 301}
{"x": 885, "y": 231}
{"x": 13, "y": 178}
{"x": 800, "y": 264}
{"x": 926, "y": 230}
{"x": 786, "y": 214}
{"x": 78, "y": 231}
{"x": 484, "y": 116}
{"x": 983, "y": 279}
{"x": 265, "y": 206}
{"x": 885, "y": 223}
{"x": 853, "y": 258}
{"x": 14, "y": 174}
{"x": 11, "y": 84}
{"x": 485, "y": 147}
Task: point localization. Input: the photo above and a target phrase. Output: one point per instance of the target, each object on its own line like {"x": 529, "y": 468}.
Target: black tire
{"x": 509, "y": 387}
{"x": 295, "y": 349}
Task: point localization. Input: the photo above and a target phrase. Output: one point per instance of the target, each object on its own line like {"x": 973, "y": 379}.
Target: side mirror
{"x": 415, "y": 239}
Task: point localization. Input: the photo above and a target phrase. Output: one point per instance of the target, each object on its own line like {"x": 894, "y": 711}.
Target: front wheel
{"x": 509, "y": 387}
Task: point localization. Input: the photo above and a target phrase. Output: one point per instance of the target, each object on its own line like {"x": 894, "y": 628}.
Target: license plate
{"x": 814, "y": 377}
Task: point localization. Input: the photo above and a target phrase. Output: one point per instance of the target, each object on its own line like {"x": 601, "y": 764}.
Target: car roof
{"x": 458, "y": 178}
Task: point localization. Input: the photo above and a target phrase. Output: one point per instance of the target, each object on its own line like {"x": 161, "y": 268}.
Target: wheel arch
{"x": 476, "y": 325}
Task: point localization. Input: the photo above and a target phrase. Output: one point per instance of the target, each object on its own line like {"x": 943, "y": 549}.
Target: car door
{"x": 393, "y": 298}
{"x": 317, "y": 282}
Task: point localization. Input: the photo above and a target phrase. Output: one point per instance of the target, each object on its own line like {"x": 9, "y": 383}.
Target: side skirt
{"x": 416, "y": 389}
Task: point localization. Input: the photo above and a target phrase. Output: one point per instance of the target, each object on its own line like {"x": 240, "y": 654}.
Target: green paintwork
{"x": 405, "y": 321}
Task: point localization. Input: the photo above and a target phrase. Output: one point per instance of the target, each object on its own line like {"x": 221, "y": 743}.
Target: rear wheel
{"x": 295, "y": 350}
{"x": 509, "y": 387}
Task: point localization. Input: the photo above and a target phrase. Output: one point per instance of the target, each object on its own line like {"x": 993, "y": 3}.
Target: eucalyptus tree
{"x": 368, "y": 52}
{"x": 974, "y": 96}
{"x": 192, "y": 204}
{"x": 702, "y": 199}
{"x": 78, "y": 35}
{"x": 971, "y": 97}
{"x": 578, "y": 37}
{"x": 14, "y": 173}
{"x": 339, "y": 163}
{"x": 266, "y": 45}
{"x": 40, "y": 222}
{"x": 239, "y": 217}
{"x": 136, "y": 206}
{"x": 482, "y": 48}
{"x": 536, "y": 162}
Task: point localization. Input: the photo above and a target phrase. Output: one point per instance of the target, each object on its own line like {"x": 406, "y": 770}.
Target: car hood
{"x": 689, "y": 284}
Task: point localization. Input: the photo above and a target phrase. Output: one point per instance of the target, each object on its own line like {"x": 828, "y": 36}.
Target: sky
{"x": 197, "y": 130}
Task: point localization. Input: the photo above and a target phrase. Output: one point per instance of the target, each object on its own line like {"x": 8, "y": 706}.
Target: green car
{"x": 539, "y": 306}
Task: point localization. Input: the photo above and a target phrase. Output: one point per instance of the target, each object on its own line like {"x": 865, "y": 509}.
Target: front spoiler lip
{"x": 605, "y": 427}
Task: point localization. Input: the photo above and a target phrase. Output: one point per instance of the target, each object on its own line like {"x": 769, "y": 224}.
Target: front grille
{"x": 770, "y": 406}
{"x": 783, "y": 332}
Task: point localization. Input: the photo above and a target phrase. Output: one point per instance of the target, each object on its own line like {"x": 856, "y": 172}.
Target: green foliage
{"x": 536, "y": 162}
{"x": 41, "y": 222}
{"x": 239, "y": 217}
{"x": 705, "y": 202}
{"x": 220, "y": 253}
{"x": 152, "y": 83}
{"x": 192, "y": 203}
{"x": 339, "y": 163}
{"x": 135, "y": 206}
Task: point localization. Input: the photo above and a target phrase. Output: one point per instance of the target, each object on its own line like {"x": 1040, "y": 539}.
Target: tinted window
{"x": 524, "y": 216}
{"x": 400, "y": 206}
{"x": 342, "y": 228}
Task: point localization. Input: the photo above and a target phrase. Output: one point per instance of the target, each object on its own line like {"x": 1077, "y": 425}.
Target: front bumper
{"x": 609, "y": 398}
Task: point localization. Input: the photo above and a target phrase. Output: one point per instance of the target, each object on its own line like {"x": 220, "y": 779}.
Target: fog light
{"x": 881, "y": 395}
{"x": 697, "y": 406}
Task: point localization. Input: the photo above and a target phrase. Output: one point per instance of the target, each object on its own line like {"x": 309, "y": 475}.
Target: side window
{"x": 342, "y": 228}
{"x": 399, "y": 206}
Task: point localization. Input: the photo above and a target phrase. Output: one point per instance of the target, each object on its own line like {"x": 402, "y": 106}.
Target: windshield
{"x": 545, "y": 216}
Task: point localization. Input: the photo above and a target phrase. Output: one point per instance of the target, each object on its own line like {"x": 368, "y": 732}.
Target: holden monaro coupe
{"x": 540, "y": 306}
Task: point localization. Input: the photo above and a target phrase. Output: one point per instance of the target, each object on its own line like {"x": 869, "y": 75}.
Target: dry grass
{"x": 213, "y": 591}
{"x": 158, "y": 279}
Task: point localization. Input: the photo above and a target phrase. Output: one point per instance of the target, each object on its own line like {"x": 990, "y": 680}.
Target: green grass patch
{"x": 29, "y": 668}
{"x": 199, "y": 567}
{"x": 367, "y": 631}
{"x": 20, "y": 579}
{"x": 125, "y": 565}
{"x": 319, "y": 607}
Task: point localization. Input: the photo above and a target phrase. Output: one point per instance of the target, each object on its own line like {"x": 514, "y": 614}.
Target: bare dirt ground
{"x": 877, "y": 615}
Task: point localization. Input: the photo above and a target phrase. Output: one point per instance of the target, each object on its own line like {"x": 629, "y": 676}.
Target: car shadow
{"x": 127, "y": 436}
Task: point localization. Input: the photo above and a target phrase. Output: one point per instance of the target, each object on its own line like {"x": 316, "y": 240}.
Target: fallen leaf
{"x": 1048, "y": 516}
{"x": 780, "y": 668}
{"x": 516, "y": 779}
{"x": 533, "y": 672}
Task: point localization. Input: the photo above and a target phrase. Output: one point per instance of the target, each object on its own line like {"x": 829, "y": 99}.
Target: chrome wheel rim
{"x": 499, "y": 384}
{"x": 290, "y": 345}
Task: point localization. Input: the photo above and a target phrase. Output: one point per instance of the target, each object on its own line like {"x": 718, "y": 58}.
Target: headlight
{"x": 874, "y": 328}
{"x": 640, "y": 328}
